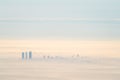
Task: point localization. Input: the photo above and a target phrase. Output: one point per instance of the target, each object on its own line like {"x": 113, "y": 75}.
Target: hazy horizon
{"x": 59, "y": 39}
{"x": 88, "y": 28}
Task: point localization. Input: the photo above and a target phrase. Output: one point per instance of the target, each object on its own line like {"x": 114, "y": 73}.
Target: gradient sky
{"x": 60, "y": 18}
{"x": 71, "y": 20}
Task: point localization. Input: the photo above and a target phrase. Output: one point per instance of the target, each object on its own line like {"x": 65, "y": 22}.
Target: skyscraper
{"x": 26, "y": 55}
{"x": 30, "y": 55}
{"x": 23, "y": 55}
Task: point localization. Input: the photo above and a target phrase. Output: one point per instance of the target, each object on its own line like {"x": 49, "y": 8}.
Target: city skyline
{"x": 65, "y": 27}
{"x": 59, "y": 39}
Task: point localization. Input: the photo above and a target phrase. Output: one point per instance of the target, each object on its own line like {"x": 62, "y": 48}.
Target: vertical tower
{"x": 30, "y": 55}
{"x": 26, "y": 55}
{"x": 23, "y": 55}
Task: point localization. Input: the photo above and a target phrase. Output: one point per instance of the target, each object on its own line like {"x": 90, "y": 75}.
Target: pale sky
{"x": 60, "y": 18}
{"x": 66, "y": 20}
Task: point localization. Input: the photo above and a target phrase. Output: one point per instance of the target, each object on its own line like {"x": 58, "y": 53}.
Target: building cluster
{"x": 27, "y": 55}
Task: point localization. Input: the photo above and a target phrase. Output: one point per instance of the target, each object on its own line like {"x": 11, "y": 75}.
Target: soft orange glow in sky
{"x": 61, "y": 47}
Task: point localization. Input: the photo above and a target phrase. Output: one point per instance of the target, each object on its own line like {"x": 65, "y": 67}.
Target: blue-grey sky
{"x": 81, "y": 19}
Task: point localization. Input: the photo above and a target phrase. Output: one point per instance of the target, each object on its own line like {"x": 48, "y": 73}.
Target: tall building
{"x": 23, "y": 55}
{"x": 26, "y": 55}
{"x": 30, "y": 55}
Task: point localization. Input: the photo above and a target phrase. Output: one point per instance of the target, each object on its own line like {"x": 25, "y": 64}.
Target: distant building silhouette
{"x": 78, "y": 55}
{"x": 44, "y": 57}
{"x": 23, "y": 55}
{"x": 30, "y": 55}
{"x": 48, "y": 57}
{"x": 26, "y": 55}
